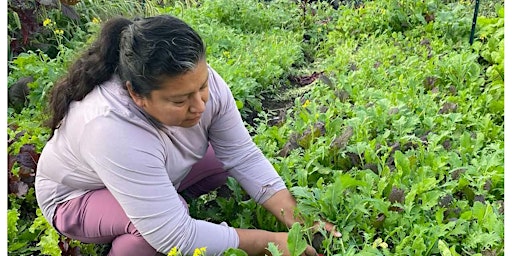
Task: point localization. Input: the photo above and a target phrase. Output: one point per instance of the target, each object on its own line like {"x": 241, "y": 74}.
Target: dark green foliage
{"x": 395, "y": 135}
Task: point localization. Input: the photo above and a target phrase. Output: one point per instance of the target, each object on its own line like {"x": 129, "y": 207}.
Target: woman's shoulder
{"x": 107, "y": 109}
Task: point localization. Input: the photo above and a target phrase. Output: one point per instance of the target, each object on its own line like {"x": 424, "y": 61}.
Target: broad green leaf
{"x": 430, "y": 198}
{"x": 239, "y": 104}
{"x": 479, "y": 211}
{"x": 13, "y": 247}
{"x": 296, "y": 242}
{"x": 39, "y": 223}
{"x": 235, "y": 252}
{"x": 346, "y": 181}
{"x": 273, "y": 249}
{"x": 443, "y": 248}
{"x": 465, "y": 142}
{"x": 12, "y": 223}
{"x": 403, "y": 165}
{"x": 453, "y": 251}
{"x": 440, "y": 216}
{"x": 419, "y": 245}
{"x": 49, "y": 243}
{"x": 419, "y": 188}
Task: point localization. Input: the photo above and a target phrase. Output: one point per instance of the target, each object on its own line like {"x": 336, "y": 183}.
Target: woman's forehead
{"x": 186, "y": 83}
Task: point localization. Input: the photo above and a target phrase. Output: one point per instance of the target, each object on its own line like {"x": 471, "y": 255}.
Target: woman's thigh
{"x": 95, "y": 217}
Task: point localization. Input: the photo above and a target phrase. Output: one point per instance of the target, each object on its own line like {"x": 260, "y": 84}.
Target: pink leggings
{"x": 97, "y": 217}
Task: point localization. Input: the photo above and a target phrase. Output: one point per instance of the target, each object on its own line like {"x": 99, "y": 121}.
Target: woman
{"x": 140, "y": 121}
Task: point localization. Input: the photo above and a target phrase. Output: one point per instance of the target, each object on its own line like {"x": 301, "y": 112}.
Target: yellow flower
{"x": 306, "y": 104}
{"x": 379, "y": 243}
{"x": 173, "y": 252}
{"x": 95, "y": 20}
{"x": 59, "y": 32}
{"x": 200, "y": 251}
{"x": 47, "y": 22}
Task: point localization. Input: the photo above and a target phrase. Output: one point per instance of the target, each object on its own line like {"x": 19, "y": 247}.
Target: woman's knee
{"x": 131, "y": 244}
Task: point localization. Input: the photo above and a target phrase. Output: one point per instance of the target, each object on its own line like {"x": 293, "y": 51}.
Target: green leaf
{"x": 346, "y": 181}
{"x": 273, "y": 249}
{"x": 443, "y": 248}
{"x": 14, "y": 247}
{"x": 479, "y": 211}
{"x": 440, "y": 216}
{"x": 49, "y": 243}
{"x": 12, "y": 224}
{"x": 419, "y": 245}
{"x": 239, "y": 104}
{"x": 296, "y": 242}
{"x": 39, "y": 223}
{"x": 430, "y": 198}
{"x": 235, "y": 252}
{"x": 403, "y": 165}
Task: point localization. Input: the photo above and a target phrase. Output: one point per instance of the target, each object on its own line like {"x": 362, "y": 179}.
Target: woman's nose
{"x": 198, "y": 104}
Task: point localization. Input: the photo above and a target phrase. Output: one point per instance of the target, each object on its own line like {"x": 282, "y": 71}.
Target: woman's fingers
{"x": 332, "y": 229}
{"x": 310, "y": 251}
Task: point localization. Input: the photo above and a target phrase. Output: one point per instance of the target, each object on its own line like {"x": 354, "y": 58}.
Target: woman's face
{"x": 180, "y": 101}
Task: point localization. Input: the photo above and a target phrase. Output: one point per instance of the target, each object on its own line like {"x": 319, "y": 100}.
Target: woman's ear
{"x": 139, "y": 100}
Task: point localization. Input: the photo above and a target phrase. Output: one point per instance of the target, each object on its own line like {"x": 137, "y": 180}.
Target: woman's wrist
{"x": 282, "y": 205}
{"x": 255, "y": 241}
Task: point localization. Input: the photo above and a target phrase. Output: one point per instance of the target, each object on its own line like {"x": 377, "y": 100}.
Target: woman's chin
{"x": 190, "y": 122}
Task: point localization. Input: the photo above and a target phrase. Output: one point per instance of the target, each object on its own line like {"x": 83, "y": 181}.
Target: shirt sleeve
{"x": 130, "y": 160}
{"x": 235, "y": 148}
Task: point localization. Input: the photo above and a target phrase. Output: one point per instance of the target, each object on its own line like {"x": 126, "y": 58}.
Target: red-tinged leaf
{"x": 396, "y": 195}
{"x": 317, "y": 242}
{"x": 27, "y": 175}
{"x": 10, "y": 162}
{"x": 306, "y": 79}
{"x": 18, "y": 188}
{"x": 28, "y": 157}
{"x": 75, "y": 251}
{"x": 67, "y": 249}
{"x": 448, "y": 107}
{"x": 63, "y": 245}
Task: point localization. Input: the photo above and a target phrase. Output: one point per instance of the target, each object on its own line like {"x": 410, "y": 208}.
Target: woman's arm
{"x": 255, "y": 242}
{"x": 282, "y": 205}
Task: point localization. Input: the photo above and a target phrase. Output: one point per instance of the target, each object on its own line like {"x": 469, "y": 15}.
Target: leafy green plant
{"x": 415, "y": 154}
{"x": 296, "y": 242}
{"x": 399, "y": 141}
{"x": 20, "y": 238}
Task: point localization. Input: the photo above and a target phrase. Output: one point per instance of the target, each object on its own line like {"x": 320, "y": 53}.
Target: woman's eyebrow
{"x": 186, "y": 94}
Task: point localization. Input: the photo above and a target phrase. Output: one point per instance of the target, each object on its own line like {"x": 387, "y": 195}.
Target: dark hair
{"x": 142, "y": 51}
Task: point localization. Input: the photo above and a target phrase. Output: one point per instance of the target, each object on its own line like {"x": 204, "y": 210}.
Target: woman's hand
{"x": 282, "y": 239}
{"x": 282, "y": 204}
{"x": 329, "y": 227}
{"x": 255, "y": 242}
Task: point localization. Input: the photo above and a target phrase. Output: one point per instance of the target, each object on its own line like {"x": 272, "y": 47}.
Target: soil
{"x": 279, "y": 101}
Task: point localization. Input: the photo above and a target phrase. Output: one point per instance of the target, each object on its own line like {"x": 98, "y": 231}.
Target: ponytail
{"x": 96, "y": 65}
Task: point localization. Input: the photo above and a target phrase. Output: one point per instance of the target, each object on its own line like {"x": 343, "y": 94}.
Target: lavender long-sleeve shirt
{"x": 106, "y": 141}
